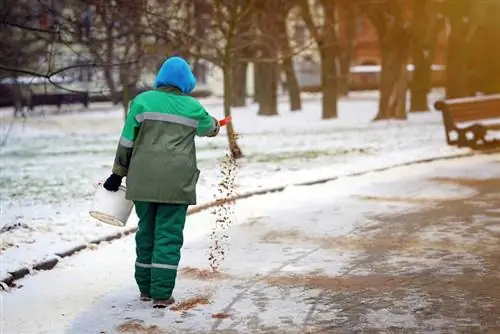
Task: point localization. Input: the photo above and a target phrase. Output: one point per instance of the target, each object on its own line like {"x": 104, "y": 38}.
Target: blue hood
{"x": 175, "y": 71}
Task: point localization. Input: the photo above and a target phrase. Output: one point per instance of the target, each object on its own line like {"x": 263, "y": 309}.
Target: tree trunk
{"x": 257, "y": 81}
{"x": 421, "y": 56}
{"x": 329, "y": 58}
{"x": 108, "y": 71}
{"x": 347, "y": 49}
{"x": 127, "y": 97}
{"x": 292, "y": 83}
{"x": 231, "y": 135}
{"x": 268, "y": 101}
{"x": 108, "y": 77}
{"x": 393, "y": 77}
{"x": 490, "y": 65}
{"x": 456, "y": 69}
{"x": 268, "y": 82}
{"x": 239, "y": 89}
{"x": 329, "y": 84}
{"x": 421, "y": 80}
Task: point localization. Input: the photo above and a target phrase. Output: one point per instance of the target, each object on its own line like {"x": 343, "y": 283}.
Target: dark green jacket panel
{"x": 163, "y": 164}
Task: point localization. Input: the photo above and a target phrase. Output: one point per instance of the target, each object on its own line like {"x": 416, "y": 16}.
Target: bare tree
{"x": 456, "y": 67}
{"x": 465, "y": 19}
{"x": 325, "y": 36}
{"x": 428, "y": 22}
{"x": 21, "y": 47}
{"x": 348, "y": 20}
{"x": 392, "y": 22}
{"x": 267, "y": 45}
{"x": 117, "y": 35}
{"x": 281, "y": 14}
{"x": 486, "y": 58}
{"x": 244, "y": 45}
{"x": 274, "y": 55}
{"x": 45, "y": 35}
{"x": 23, "y": 40}
{"x": 224, "y": 41}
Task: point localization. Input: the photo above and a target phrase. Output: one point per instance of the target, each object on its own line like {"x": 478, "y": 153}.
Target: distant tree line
{"x": 121, "y": 39}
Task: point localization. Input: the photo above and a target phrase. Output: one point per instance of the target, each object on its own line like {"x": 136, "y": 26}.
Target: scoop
{"x": 224, "y": 121}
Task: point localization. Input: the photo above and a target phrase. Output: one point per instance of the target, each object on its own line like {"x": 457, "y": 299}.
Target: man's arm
{"x": 208, "y": 126}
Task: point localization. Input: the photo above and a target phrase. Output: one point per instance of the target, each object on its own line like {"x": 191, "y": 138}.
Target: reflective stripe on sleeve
{"x": 157, "y": 116}
{"x": 126, "y": 143}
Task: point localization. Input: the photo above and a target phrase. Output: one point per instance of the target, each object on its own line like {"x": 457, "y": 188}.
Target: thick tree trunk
{"x": 257, "y": 81}
{"x": 129, "y": 76}
{"x": 329, "y": 58}
{"x": 239, "y": 89}
{"x": 456, "y": 69}
{"x": 268, "y": 100}
{"x": 108, "y": 77}
{"x": 292, "y": 83}
{"x": 108, "y": 71}
{"x": 393, "y": 79}
{"x": 345, "y": 62}
{"x": 421, "y": 56}
{"x": 421, "y": 81}
{"x": 231, "y": 135}
{"x": 347, "y": 49}
{"x": 268, "y": 74}
{"x": 490, "y": 65}
{"x": 329, "y": 83}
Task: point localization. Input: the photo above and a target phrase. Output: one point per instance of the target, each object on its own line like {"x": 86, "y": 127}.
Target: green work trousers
{"x": 159, "y": 241}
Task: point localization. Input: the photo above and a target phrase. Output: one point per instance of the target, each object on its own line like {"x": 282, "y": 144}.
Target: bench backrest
{"x": 470, "y": 108}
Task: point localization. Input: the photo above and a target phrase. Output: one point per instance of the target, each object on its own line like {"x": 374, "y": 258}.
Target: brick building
{"x": 365, "y": 59}
{"x": 366, "y": 49}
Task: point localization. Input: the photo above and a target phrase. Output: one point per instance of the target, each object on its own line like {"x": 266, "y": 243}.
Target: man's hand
{"x": 216, "y": 129}
{"x": 113, "y": 182}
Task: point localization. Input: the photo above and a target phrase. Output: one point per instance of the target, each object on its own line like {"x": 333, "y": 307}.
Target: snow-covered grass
{"x": 50, "y": 163}
{"x": 270, "y": 243}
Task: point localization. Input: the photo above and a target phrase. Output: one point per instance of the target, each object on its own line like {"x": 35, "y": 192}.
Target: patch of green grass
{"x": 6, "y": 182}
{"x": 305, "y": 155}
{"x": 36, "y": 153}
{"x": 39, "y": 189}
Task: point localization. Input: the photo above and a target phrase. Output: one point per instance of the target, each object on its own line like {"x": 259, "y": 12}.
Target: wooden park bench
{"x": 468, "y": 121}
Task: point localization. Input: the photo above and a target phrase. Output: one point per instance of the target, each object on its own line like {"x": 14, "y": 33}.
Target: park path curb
{"x": 52, "y": 262}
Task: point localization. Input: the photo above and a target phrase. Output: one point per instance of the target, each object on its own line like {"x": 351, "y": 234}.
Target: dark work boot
{"x": 145, "y": 297}
{"x": 163, "y": 303}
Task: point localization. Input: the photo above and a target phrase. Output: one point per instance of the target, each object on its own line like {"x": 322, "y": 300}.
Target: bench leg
{"x": 462, "y": 140}
{"x": 473, "y": 136}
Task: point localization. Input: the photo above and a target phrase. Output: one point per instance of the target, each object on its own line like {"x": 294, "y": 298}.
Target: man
{"x": 157, "y": 154}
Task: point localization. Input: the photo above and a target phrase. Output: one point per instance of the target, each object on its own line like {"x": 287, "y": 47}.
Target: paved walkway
{"x": 394, "y": 253}
{"x": 435, "y": 270}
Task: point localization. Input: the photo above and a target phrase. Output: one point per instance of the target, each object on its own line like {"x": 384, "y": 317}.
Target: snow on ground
{"x": 50, "y": 163}
{"x": 292, "y": 261}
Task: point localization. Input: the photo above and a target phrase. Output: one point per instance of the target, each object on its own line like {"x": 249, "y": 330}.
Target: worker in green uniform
{"x": 156, "y": 153}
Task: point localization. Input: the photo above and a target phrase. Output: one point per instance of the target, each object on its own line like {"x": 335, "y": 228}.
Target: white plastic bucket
{"x": 111, "y": 207}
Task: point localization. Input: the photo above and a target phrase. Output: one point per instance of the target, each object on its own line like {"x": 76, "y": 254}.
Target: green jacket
{"x": 157, "y": 150}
